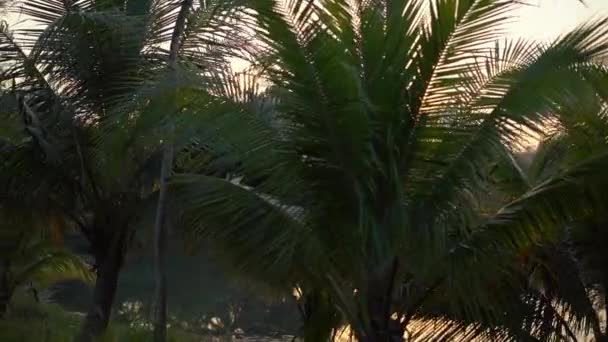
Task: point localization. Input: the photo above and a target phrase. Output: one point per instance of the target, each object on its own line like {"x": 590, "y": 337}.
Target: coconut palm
{"x": 80, "y": 75}
{"x": 363, "y": 182}
{"x": 62, "y": 87}
{"x": 565, "y": 272}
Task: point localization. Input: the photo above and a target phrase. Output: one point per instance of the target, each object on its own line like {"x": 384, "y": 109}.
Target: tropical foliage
{"x": 68, "y": 75}
{"x": 367, "y": 159}
{"x": 368, "y": 187}
{"x": 33, "y": 256}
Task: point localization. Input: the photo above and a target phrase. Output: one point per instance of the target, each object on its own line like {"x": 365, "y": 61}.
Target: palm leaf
{"x": 248, "y": 246}
{"x": 45, "y": 265}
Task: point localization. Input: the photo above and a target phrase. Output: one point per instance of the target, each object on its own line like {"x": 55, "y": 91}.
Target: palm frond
{"x": 535, "y": 218}
{"x": 45, "y": 265}
{"x": 485, "y": 125}
{"x": 262, "y": 235}
{"x": 47, "y": 12}
{"x": 214, "y": 32}
{"x": 456, "y": 32}
{"x": 89, "y": 57}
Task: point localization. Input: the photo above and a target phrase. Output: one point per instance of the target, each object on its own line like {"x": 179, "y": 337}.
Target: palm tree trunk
{"x": 160, "y": 234}
{"x": 109, "y": 264}
{"x": 160, "y": 248}
{"x": 394, "y": 333}
{"x": 319, "y": 316}
{"x": 5, "y": 290}
{"x": 379, "y": 305}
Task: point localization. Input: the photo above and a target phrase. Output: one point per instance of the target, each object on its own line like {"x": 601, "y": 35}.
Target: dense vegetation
{"x": 364, "y": 164}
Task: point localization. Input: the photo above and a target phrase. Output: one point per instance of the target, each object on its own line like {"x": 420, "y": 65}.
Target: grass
{"x": 30, "y": 321}
{"x": 42, "y": 322}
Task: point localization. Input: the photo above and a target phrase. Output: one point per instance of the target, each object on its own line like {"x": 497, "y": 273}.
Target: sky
{"x": 544, "y": 19}
{"x": 547, "y": 19}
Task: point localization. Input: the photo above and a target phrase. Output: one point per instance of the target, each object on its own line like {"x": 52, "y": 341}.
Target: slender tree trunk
{"x": 160, "y": 248}
{"x": 160, "y": 234}
{"x": 109, "y": 265}
{"x": 5, "y": 290}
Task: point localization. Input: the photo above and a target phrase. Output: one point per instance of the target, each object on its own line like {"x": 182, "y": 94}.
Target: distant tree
{"x": 564, "y": 273}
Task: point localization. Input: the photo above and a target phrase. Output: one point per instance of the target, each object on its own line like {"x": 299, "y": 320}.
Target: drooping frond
{"x": 46, "y": 265}
{"x": 263, "y": 237}
{"x": 540, "y": 214}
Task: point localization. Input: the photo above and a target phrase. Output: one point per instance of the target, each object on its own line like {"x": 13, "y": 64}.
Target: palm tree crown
{"x": 363, "y": 176}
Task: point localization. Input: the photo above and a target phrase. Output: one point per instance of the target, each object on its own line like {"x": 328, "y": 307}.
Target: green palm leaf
{"x": 45, "y": 265}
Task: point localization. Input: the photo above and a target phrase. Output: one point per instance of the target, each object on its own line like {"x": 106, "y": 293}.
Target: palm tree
{"x": 363, "y": 182}
{"x": 91, "y": 84}
{"x": 565, "y": 273}
{"x": 64, "y": 81}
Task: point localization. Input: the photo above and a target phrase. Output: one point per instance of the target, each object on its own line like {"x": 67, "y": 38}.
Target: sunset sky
{"x": 544, "y": 19}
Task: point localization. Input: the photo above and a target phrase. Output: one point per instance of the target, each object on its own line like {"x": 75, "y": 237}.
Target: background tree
{"x": 564, "y": 273}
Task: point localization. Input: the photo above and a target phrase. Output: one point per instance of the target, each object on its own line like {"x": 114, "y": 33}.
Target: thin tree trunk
{"x": 5, "y": 290}
{"x": 108, "y": 270}
{"x": 160, "y": 248}
{"x": 160, "y": 234}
